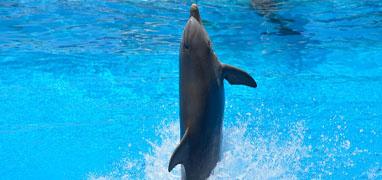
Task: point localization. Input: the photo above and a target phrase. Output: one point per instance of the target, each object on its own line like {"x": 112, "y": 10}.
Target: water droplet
{"x": 346, "y": 144}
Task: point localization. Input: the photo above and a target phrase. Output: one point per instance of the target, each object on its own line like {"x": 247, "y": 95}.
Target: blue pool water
{"x": 89, "y": 89}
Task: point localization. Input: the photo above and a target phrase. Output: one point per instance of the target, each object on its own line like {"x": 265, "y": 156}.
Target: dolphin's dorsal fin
{"x": 237, "y": 76}
{"x": 180, "y": 154}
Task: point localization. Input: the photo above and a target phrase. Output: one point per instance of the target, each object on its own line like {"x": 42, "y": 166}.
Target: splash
{"x": 258, "y": 157}
{"x": 157, "y": 161}
{"x": 246, "y": 155}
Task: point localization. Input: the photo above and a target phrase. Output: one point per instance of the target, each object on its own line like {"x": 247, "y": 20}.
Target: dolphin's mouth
{"x": 193, "y": 21}
{"x": 194, "y": 12}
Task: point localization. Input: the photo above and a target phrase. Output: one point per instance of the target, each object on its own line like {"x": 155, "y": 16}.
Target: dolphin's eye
{"x": 209, "y": 46}
{"x": 186, "y": 46}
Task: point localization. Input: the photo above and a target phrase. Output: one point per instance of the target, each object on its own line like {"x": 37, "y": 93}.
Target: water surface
{"x": 89, "y": 89}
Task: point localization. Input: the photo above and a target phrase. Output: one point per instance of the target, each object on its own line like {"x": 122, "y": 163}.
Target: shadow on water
{"x": 287, "y": 32}
{"x": 268, "y": 9}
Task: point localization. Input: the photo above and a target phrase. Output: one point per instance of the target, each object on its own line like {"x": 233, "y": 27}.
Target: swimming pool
{"x": 89, "y": 89}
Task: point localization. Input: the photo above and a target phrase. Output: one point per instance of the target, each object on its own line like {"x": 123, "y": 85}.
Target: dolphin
{"x": 201, "y": 93}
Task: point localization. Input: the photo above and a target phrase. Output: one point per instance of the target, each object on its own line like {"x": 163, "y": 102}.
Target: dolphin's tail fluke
{"x": 237, "y": 76}
{"x": 180, "y": 154}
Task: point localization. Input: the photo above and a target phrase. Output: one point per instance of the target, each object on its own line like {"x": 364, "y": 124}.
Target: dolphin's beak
{"x": 194, "y": 12}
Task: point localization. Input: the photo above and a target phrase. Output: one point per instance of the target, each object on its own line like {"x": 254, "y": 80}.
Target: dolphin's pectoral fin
{"x": 237, "y": 76}
{"x": 181, "y": 152}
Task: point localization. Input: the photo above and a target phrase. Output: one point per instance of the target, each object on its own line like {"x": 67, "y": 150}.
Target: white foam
{"x": 257, "y": 157}
{"x": 246, "y": 155}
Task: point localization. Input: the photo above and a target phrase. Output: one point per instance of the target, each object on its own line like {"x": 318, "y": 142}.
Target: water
{"x": 89, "y": 89}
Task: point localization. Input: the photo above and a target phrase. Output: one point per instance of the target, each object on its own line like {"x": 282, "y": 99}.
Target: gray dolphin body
{"x": 201, "y": 101}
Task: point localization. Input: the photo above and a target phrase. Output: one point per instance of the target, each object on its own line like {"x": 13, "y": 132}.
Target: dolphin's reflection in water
{"x": 269, "y": 9}
{"x": 287, "y": 36}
